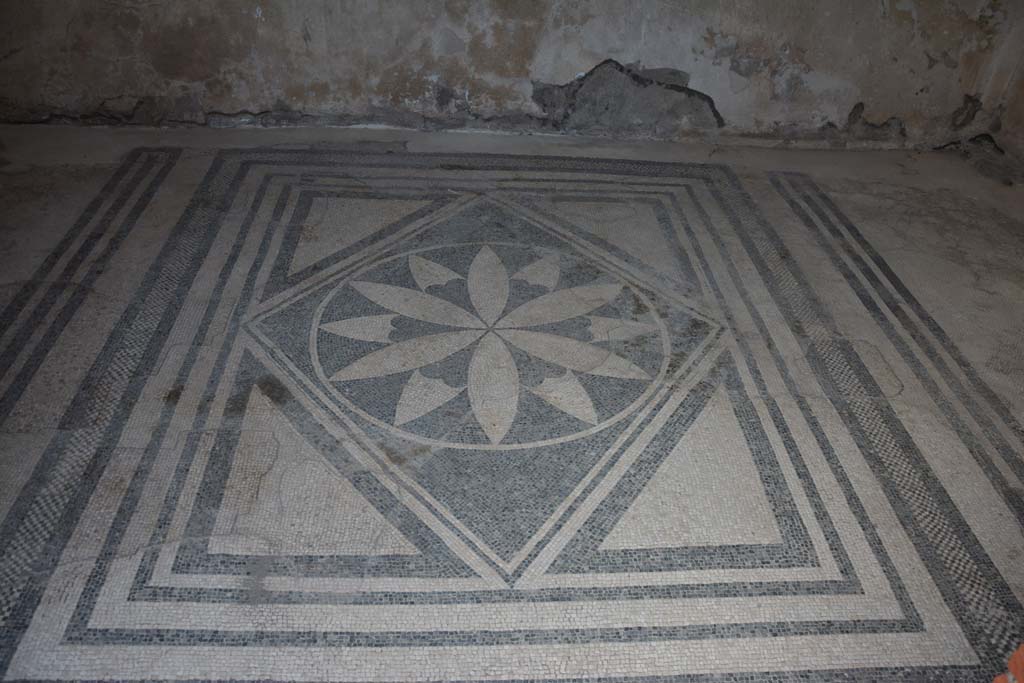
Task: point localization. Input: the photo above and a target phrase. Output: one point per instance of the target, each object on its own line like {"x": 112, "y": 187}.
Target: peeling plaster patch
{"x": 666, "y": 76}
{"x": 722, "y": 46}
{"x": 614, "y": 99}
{"x": 785, "y": 65}
{"x": 944, "y": 58}
{"x": 121, "y": 106}
{"x": 966, "y": 112}
{"x": 788, "y": 82}
{"x": 504, "y": 49}
{"x": 788, "y": 68}
{"x": 860, "y": 128}
{"x": 747, "y": 65}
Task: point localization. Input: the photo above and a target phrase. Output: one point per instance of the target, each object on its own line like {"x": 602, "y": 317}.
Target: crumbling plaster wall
{"x": 911, "y": 71}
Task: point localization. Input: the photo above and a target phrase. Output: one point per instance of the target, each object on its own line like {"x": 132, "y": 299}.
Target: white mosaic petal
{"x": 407, "y": 355}
{"x": 616, "y": 329}
{"x": 371, "y": 328}
{"x": 543, "y": 272}
{"x": 561, "y": 305}
{"x": 568, "y": 395}
{"x": 488, "y": 285}
{"x": 427, "y": 273}
{"x": 417, "y": 305}
{"x": 493, "y": 387}
{"x": 421, "y": 395}
{"x": 573, "y": 355}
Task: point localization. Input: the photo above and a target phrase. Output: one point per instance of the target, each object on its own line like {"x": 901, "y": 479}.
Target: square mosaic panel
{"x": 445, "y": 417}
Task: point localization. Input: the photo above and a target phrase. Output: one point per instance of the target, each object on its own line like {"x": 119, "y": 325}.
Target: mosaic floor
{"x": 374, "y": 415}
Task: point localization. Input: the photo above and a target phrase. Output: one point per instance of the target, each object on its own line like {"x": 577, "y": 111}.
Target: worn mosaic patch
{"x": 447, "y": 417}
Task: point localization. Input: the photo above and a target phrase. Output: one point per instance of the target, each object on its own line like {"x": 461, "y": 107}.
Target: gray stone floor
{"x": 378, "y": 405}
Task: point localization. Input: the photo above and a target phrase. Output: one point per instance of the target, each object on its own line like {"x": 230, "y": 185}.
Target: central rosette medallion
{"x": 488, "y": 345}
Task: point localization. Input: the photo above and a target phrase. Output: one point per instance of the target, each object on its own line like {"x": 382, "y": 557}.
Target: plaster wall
{"x": 906, "y": 72}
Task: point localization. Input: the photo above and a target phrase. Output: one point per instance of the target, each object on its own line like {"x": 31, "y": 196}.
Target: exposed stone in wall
{"x": 613, "y": 99}
{"x": 795, "y": 68}
{"x": 965, "y": 113}
{"x": 860, "y": 128}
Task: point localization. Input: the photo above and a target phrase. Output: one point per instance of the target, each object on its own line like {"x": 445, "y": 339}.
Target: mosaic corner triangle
{"x": 434, "y": 557}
